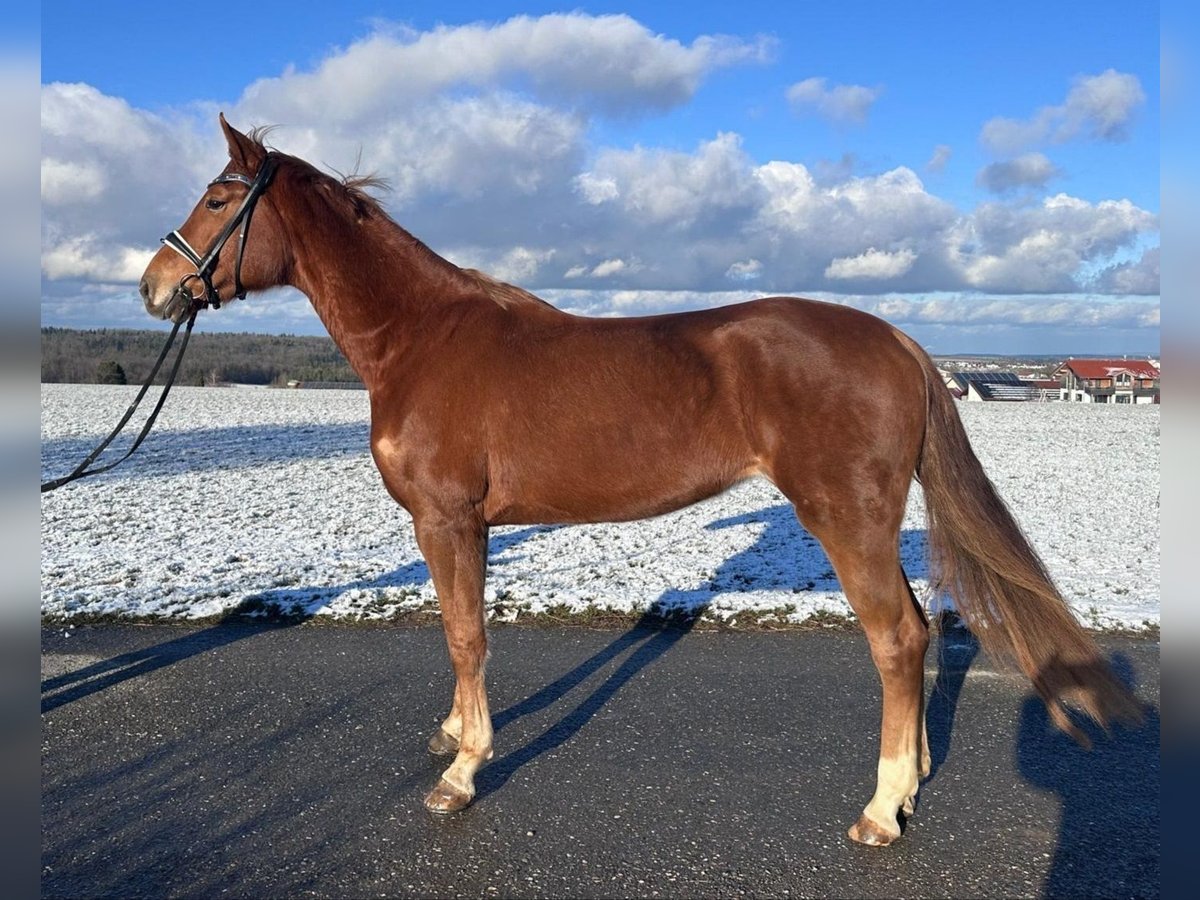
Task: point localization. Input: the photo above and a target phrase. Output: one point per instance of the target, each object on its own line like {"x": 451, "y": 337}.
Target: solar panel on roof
{"x": 996, "y": 385}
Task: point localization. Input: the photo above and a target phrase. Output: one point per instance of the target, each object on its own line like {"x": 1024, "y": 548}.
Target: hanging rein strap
{"x": 82, "y": 470}
{"x": 205, "y": 266}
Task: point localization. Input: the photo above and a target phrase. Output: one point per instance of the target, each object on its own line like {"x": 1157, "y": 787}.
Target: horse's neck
{"x": 371, "y": 284}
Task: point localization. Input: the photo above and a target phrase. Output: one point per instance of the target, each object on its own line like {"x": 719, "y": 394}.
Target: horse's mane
{"x": 355, "y": 187}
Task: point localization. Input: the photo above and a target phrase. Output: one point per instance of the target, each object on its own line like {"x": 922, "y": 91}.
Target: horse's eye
{"x": 214, "y": 203}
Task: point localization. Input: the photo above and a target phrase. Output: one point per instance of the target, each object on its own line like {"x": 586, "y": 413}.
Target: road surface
{"x": 290, "y": 761}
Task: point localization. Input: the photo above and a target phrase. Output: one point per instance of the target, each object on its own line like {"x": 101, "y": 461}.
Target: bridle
{"x": 205, "y": 265}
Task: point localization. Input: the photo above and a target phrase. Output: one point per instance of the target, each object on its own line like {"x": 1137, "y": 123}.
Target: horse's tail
{"x": 999, "y": 585}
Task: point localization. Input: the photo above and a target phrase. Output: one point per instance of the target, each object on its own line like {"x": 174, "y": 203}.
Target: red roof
{"x": 1107, "y": 368}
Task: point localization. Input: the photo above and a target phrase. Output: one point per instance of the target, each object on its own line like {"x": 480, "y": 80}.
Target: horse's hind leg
{"x": 924, "y": 756}
{"x": 865, "y": 555}
{"x": 455, "y": 549}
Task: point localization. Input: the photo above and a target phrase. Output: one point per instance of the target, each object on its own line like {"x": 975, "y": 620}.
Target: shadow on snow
{"x": 167, "y": 453}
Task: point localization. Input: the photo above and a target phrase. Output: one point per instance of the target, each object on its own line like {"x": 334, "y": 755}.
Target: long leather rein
{"x": 205, "y": 266}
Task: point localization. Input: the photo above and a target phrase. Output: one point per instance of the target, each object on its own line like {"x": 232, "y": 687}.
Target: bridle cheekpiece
{"x": 205, "y": 265}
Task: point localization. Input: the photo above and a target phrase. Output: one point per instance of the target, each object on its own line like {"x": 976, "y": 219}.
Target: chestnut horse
{"x": 490, "y": 407}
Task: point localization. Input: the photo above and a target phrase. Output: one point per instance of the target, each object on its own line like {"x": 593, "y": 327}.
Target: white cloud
{"x": 108, "y": 122}
{"x": 493, "y": 179}
{"x": 467, "y": 146}
{"x": 71, "y": 182}
{"x": 611, "y": 63}
{"x": 744, "y": 270}
{"x": 874, "y": 265}
{"x": 606, "y": 268}
{"x": 85, "y": 258}
{"x": 609, "y": 267}
{"x": 974, "y": 310}
{"x": 833, "y": 171}
{"x": 1004, "y": 248}
{"x": 696, "y": 218}
{"x": 518, "y": 265}
{"x": 839, "y": 102}
{"x": 672, "y": 188}
{"x": 806, "y": 226}
{"x": 939, "y": 158}
{"x": 1030, "y": 170}
{"x": 1140, "y": 276}
{"x": 1099, "y": 107}
{"x": 596, "y": 189}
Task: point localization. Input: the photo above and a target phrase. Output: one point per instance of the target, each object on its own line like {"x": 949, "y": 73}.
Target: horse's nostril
{"x": 144, "y": 290}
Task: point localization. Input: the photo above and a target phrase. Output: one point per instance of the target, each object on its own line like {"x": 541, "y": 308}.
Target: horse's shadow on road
{"x": 1108, "y": 835}
{"x": 784, "y": 556}
{"x": 273, "y": 608}
{"x": 954, "y": 651}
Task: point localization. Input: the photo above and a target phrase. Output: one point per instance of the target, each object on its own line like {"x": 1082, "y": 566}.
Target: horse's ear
{"x": 242, "y": 150}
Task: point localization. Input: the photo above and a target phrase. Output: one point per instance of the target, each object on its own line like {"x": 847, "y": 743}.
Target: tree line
{"x": 119, "y": 355}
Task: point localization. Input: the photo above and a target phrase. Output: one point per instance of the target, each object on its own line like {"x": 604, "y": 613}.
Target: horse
{"x": 490, "y": 406}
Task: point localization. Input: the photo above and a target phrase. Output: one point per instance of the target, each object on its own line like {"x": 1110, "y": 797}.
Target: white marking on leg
{"x": 470, "y": 758}
{"x": 897, "y": 782}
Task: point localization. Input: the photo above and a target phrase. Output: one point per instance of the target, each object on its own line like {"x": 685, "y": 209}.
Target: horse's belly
{"x": 608, "y": 489}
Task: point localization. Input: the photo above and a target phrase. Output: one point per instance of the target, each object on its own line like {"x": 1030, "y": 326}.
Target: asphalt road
{"x": 290, "y": 761}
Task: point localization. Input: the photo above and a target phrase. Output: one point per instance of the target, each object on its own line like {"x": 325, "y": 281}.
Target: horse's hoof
{"x": 909, "y": 806}
{"x": 865, "y": 831}
{"x": 446, "y": 798}
{"x": 443, "y": 743}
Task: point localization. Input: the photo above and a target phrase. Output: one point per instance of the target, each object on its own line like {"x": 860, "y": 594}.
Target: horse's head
{"x": 216, "y": 255}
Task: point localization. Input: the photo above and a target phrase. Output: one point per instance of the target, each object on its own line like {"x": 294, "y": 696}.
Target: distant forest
{"x": 117, "y": 355}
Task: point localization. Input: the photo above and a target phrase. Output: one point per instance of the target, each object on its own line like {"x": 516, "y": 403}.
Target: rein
{"x": 204, "y": 269}
{"x": 82, "y": 470}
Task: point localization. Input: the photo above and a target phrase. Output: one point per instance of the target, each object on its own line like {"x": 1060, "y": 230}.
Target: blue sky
{"x": 985, "y": 176}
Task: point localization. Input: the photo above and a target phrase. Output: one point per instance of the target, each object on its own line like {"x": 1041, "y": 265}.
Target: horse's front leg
{"x": 455, "y": 549}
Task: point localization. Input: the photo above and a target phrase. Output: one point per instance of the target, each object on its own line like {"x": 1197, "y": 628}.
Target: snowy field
{"x": 259, "y": 499}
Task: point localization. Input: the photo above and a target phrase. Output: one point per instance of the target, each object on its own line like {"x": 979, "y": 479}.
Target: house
{"x": 1045, "y": 389}
{"x": 1109, "y": 380}
{"x": 988, "y": 385}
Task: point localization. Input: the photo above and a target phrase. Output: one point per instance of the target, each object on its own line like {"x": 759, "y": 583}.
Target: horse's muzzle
{"x": 176, "y": 306}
